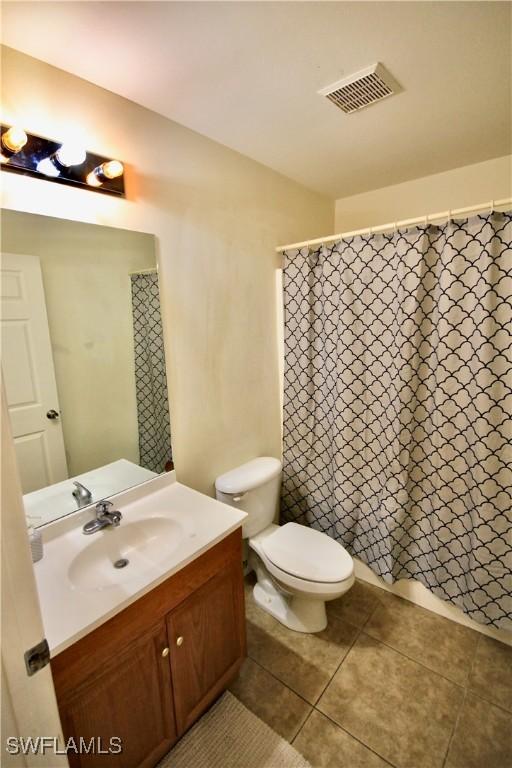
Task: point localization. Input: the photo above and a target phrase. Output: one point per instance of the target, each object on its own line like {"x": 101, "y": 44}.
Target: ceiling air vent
{"x": 361, "y": 89}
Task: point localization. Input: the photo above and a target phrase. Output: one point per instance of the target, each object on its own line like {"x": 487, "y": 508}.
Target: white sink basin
{"x": 143, "y": 544}
{"x": 165, "y": 526}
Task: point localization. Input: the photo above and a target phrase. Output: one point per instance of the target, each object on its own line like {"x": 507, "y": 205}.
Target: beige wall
{"x": 217, "y": 216}
{"x": 470, "y": 185}
{"x": 88, "y": 299}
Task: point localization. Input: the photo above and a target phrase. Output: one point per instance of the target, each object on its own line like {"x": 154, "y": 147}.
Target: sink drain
{"x": 121, "y": 563}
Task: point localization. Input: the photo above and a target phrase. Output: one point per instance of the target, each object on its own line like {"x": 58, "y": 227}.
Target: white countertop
{"x": 165, "y": 526}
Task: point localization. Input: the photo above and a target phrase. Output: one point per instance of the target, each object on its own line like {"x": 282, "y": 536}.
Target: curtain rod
{"x": 492, "y": 205}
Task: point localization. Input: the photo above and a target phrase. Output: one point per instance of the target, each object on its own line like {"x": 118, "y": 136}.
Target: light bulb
{"x": 93, "y": 180}
{"x": 112, "y": 169}
{"x": 47, "y": 167}
{"x": 70, "y": 154}
{"x": 14, "y": 139}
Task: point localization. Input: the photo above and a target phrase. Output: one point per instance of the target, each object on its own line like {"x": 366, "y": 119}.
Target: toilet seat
{"x": 324, "y": 590}
{"x": 307, "y": 554}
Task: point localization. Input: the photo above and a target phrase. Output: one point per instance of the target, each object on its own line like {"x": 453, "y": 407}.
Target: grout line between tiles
{"x": 311, "y": 707}
{"x": 489, "y": 701}
{"x": 359, "y": 630}
{"x": 474, "y": 655}
{"x": 303, "y": 724}
{"x": 415, "y": 661}
{"x": 356, "y": 738}
{"x": 455, "y": 724}
{"x": 461, "y": 707}
{"x": 370, "y": 615}
{"x": 255, "y": 661}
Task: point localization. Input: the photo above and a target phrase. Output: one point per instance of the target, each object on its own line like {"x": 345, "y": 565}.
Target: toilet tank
{"x": 254, "y": 488}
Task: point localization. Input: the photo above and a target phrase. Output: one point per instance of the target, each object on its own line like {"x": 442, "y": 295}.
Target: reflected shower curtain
{"x": 150, "y": 376}
{"x": 398, "y": 402}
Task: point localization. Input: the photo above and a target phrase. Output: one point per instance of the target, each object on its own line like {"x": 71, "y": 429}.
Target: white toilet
{"x": 297, "y": 568}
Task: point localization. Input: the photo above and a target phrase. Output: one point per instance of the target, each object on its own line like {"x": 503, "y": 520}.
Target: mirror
{"x": 82, "y": 361}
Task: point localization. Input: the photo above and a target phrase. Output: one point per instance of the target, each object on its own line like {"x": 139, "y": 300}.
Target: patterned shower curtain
{"x": 150, "y": 377}
{"x": 398, "y": 403}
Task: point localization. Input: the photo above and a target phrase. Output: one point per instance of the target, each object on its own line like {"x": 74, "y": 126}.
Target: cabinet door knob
{"x": 179, "y": 641}
{"x": 165, "y": 652}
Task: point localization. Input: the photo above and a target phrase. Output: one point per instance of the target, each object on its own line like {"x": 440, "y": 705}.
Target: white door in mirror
{"x": 29, "y": 376}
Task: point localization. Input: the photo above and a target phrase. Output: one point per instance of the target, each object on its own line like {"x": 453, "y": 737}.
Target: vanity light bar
{"x": 59, "y": 162}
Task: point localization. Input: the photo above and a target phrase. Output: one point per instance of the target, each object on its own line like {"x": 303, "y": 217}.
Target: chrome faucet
{"x": 82, "y": 495}
{"x": 104, "y": 517}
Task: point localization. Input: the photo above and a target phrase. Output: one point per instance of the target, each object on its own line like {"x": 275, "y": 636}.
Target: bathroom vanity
{"x": 140, "y": 657}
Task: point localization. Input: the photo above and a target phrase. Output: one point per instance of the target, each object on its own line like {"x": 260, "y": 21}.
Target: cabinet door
{"x": 207, "y": 641}
{"x": 131, "y": 699}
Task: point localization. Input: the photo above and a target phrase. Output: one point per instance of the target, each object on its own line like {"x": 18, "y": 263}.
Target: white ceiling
{"x": 247, "y": 75}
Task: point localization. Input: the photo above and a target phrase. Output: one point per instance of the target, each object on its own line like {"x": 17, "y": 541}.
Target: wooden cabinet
{"x": 148, "y": 673}
{"x": 128, "y": 699}
{"x": 205, "y": 638}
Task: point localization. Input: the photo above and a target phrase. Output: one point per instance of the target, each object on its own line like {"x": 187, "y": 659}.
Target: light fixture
{"x": 112, "y": 169}
{"x": 61, "y": 162}
{"x": 13, "y": 140}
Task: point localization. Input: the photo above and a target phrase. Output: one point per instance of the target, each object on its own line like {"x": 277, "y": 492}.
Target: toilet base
{"x": 298, "y": 613}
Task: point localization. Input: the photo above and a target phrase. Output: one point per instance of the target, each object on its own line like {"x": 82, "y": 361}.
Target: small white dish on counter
{"x": 165, "y": 526}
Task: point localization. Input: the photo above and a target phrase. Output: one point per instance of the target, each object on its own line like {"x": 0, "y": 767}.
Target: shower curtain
{"x": 398, "y": 402}
{"x": 150, "y": 377}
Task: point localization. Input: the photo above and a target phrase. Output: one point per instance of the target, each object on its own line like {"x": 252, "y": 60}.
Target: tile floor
{"x": 386, "y": 684}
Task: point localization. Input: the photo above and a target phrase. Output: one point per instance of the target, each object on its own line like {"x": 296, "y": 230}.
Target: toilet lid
{"x": 307, "y": 554}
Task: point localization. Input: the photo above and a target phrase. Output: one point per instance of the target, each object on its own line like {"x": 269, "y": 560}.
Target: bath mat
{"x": 229, "y": 736}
